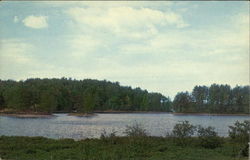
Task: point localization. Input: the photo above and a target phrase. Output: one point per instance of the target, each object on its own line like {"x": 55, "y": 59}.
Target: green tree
{"x": 214, "y": 97}
{"x": 182, "y": 102}
{"x": 88, "y": 101}
{"x": 200, "y": 96}
{"x": 19, "y": 97}
{"x": 48, "y": 101}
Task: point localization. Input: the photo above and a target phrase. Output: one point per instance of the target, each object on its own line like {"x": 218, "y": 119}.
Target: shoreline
{"x": 173, "y": 113}
{"x": 47, "y": 115}
{"x": 82, "y": 114}
{"x": 213, "y": 114}
{"x": 120, "y": 112}
{"x": 27, "y": 115}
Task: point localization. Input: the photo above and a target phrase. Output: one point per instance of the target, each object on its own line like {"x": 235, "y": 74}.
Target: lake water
{"x": 64, "y": 126}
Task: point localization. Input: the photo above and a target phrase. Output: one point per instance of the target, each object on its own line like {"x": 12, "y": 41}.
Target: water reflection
{"x": 63, "y": 126}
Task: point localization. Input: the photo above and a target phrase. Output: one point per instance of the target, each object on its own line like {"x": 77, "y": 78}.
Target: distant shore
{"x": 49, "y": 115}
{"x": 120, "y": 112}
{"x": 213, "y": 114}
{"x": 28, "y": 115}
{"x": 174, "y": 113}
{"x": 23, "y": 114}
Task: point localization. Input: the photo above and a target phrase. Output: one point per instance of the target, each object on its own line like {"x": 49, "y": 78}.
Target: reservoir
{"x": 64, "y": 126}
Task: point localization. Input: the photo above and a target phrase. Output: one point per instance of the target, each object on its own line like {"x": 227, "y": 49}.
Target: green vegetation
{"x": 136, "y": 130}
{"x": 136, "y": 145}
{"x": 213, "y": 99}
{"x": 85, "y": 96}
{"x": 240, "y": 132}
{"x": 208, "y": 137}
{"x": 151, "y": 148}
{"x": 67, "y": 95}
{"x": 183, "y": 129}
{"x": 183, "y": 133}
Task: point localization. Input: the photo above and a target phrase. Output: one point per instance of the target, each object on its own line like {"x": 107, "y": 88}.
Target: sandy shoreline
{"x": 27, "y": 115}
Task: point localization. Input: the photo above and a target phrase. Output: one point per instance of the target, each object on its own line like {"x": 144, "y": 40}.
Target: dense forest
{"x": 53, "y": 95}
{"x": 213, "y": 99}
{"x": 84, "y": 96}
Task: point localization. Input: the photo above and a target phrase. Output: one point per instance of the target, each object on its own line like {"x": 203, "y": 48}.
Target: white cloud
{"x": 125, "y": 19}
{"x": 83, "y": 45}
{"x": 107, "y": 4}
{"x": 152, "y": 52}
{"x": 36, "y": 22}
{"x": 16, "y": 19}
{"x": 138, "y": 44}
{"x": 15, "y": 51}
{"x": 18, "y": 61}
{"x": 15, "y": 54}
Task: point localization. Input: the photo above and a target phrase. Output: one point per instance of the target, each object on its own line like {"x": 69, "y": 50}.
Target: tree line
{"x": 68, "y": 95}
{"x": 214, "y": 99}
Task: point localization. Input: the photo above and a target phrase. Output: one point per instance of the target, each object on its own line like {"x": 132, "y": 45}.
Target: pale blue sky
{"x": 160, "y": 46}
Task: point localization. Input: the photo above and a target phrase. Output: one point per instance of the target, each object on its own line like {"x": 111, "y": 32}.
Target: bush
{"x": 182, "y": 132}
{"x": 244, "y": 152}
{"x": 206, "y": 132}
{"x": 208, "y": 138}
{"x": 108, "y": 137}
{"x": 104, "y": 134}
{"x": 136, "y": 130}
{"x": 240, "y": 131}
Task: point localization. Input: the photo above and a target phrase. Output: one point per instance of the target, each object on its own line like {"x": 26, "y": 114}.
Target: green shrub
{"x": 104, "y": 134}
{"x": 182, "y": 132}
{"x": 244, "y": 152}
{"x": 206, "y": 132}
{"x": 136, "y": 130}
{"x": 208, "y": 138}
{"x": 240, "y": 131}
{"x": 108, "y": 137}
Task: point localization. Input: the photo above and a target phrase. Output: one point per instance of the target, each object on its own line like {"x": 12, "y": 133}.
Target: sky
{"x": 164, "y": 46}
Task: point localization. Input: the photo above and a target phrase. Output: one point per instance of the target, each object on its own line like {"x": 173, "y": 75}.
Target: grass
{"x": 113, "y": 148}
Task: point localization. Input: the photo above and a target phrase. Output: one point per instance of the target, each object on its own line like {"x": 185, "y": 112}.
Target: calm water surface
{"x": 63, "y": 126}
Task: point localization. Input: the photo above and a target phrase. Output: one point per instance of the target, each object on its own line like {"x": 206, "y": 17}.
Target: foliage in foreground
{"x": 136, "y": 130}
{"x": 113, "y": 148}
{"x": 240, "y": 131}
{"x": 207, "y": 137}
{"x": 137, "y": 144}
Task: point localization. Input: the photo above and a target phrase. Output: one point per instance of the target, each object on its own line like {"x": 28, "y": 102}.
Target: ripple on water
{"x": 63, "y": 126}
